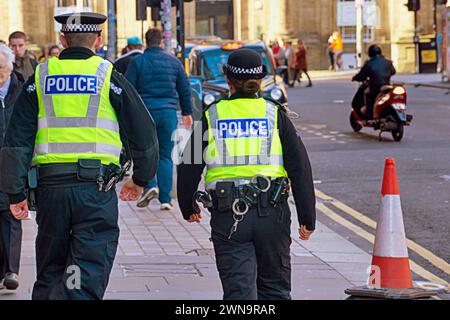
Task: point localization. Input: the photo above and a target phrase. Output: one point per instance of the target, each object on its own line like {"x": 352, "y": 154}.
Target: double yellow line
{"x": 413, "y": 246}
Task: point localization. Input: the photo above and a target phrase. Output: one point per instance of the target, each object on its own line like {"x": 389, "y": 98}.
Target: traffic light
{"x": 413, "y": 5}
{"x": 441, "y": 2}
{"x": 141, "y": 10}
{"x": 156, "y": 7}
{"x": 153, "y": 3}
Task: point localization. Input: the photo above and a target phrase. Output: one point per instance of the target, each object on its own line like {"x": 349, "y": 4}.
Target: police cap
{"x": 81, "y": 22}
{"x": 245, "y": 64}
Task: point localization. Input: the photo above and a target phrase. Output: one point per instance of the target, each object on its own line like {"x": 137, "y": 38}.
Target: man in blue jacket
{"x": 162, "y": 83}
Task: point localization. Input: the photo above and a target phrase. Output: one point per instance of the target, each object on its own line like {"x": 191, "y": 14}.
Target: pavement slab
{"x": 160, "y": 256}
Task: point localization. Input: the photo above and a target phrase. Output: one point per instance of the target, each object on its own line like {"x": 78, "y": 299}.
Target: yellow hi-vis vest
{"x": 76, "y": 119}
{"x": 243, "y": 141}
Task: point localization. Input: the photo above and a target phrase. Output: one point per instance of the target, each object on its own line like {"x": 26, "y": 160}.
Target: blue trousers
{"x": 77, "y": 239}
{"x": 166, "y": 121}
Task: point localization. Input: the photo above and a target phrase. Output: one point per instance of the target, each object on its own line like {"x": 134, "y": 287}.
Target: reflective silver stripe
{"x": 264, "y": 157}
{"x": 271, "y": 113}
{"x": 48, "y": 100}
{"x": 221, "y": 146}
{"x": 94, "y": 101}
{"x": 247, "y": 161}
{"x": 78, "y": 148}
{"x": 108, "y": 124}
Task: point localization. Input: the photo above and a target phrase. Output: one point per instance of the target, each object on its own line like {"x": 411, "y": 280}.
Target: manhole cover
{"x": 158, "y": 270}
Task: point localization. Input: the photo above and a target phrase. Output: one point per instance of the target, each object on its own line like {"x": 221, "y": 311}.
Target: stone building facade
{"x": 391, "y": 26}
{"x": 35, "y": 18}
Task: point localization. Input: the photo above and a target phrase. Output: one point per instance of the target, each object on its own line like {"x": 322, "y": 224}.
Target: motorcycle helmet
{"x": 374, "y": 50}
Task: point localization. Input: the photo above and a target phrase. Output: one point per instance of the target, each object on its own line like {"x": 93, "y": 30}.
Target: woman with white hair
{"x": 10, "y": 228}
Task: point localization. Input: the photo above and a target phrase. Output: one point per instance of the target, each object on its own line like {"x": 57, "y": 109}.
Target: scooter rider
{"x": 378, "y": 72}
{"x": 250, "y": 150}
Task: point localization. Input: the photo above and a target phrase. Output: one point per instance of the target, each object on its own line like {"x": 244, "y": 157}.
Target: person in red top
{"x": 278, "y": 54}
{"x": 300, "y": 65}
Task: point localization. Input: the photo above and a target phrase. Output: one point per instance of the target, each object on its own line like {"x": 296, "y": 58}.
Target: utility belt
{"x": 240, "y": 199}
{"x": 85, "y": 170}
{"x": 227, "y": 196}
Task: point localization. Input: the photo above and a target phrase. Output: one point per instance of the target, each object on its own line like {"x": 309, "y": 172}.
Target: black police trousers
{"x": 76, "y": 243}
{"x": 255, "y": 263}
{"x": 10, "y": 243}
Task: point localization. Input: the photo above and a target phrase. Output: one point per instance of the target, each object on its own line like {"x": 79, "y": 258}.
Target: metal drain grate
{"x": 158, "y": 270}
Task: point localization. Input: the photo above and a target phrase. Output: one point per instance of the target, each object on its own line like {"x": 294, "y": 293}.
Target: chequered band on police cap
{"x": 82, "y": 28}
{"x": 238, "y": 70}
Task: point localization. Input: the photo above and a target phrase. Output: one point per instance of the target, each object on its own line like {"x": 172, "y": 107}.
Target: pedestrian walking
{"x": 337, "y": 47}
{"x": 279, "y": 55}
{"x": 24, "y": 64}
{"x": 43, "y": 55}
{"x": 54, "y": 51}
{"x": 330, "y": 55}
{"x": 252, "y": 156}
{"x": 300, "y": 65}
{"x": 290, "y": 55}
{"x": 71, "y": 120}
{"x": 134, "y": 48}
{"x": 161, "y": 81}
{"x": 10, "y": 228}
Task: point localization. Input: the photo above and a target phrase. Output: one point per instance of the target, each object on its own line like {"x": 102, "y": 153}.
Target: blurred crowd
{"x": 293, "y": 58}
{"x": 291, "y": 61}
{"x": 25, "y": 60}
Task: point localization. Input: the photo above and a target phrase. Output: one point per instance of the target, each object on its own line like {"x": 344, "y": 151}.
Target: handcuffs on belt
{"x": 113, "y": 175}
{"x": 247, "y": 196}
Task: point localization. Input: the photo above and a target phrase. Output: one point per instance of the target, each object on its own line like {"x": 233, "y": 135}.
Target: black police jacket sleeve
{"x": 298, "y": 168}
{"x": 363, "y": 74}
{"x": 189, "y": 171}
{"x": 137, "y": 129}
{"x": 18, "y": 147}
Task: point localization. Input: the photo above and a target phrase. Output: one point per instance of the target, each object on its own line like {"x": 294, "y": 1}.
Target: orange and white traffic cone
{"x": 390, "y": 261}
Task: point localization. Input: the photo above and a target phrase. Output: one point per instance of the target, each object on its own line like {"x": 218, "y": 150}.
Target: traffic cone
{"x": 390, "y": 261}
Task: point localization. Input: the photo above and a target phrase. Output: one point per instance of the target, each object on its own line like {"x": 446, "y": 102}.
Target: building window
{"x": 346, "y": 20}
{"x": 70, "y": 3}
{"x": 348, "y": 34}
{"x": 215, "y": 17}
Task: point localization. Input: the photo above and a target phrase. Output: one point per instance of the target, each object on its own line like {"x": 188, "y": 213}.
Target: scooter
{"x": 389, "y": 112}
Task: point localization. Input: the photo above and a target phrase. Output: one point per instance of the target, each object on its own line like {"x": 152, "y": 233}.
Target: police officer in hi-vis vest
{"x": 69, "y": 125}
{"x": 253, "y": 158}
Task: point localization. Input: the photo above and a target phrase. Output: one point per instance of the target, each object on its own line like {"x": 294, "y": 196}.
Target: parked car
{"x": 209, "y": 83}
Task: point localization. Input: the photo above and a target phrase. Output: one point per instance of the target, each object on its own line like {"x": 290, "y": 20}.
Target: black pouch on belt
{"x": 89, "y": 169}
{"x": 224, "y": 194}
{"x": 264, "y": 196}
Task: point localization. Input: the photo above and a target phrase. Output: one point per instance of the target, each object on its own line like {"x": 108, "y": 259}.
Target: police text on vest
{"x": 243, "y": 128}
{"x": 71, "y": 84}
